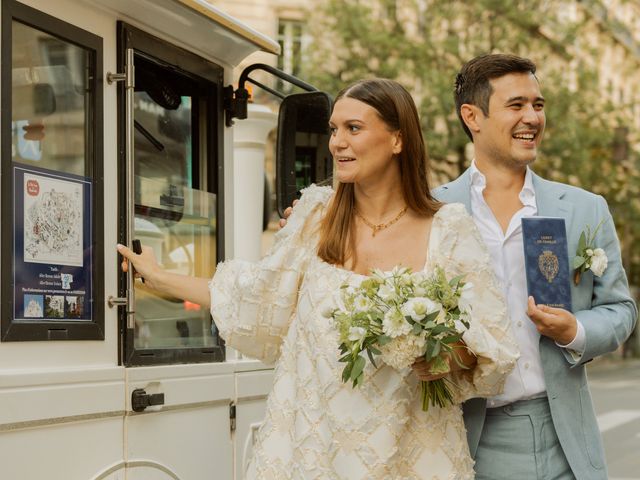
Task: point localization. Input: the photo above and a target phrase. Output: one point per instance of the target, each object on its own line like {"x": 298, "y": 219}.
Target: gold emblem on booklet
{"x": 548, "y": 264}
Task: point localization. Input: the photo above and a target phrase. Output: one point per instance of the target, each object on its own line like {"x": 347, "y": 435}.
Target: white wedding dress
{"x": 317, "y": 427}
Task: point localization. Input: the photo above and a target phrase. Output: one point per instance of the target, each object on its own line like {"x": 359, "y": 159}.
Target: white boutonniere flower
{"x": 588, "y": 257}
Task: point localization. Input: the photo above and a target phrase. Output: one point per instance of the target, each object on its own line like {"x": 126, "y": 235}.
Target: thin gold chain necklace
{"x": 375, "y": 228}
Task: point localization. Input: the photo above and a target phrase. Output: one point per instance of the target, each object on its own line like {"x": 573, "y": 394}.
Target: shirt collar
{"x": 527, "y": 194}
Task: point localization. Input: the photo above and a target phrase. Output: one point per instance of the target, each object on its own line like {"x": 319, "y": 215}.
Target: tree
{"x": 423, "y": 43}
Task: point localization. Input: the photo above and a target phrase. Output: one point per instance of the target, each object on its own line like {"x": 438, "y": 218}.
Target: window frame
{"x": 52, "y": 330}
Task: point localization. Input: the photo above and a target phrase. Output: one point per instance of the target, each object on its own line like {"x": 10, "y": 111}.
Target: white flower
{"x": 327, "y": 311}
{"x": 387, "y": 292}
{"x": 466, "y": 297}
{"x": 589, "y": 252}
{"x": 379, "y": 276}
{"x": 418, "y": 307}
{"x": 419, "y": 291}
{"x": 394, "y": 324}
{"x": 361, "y": 303}
{"x": 357, "y": 334}
{"x": 402, "y": 351}
{"x": 599, "y": 262}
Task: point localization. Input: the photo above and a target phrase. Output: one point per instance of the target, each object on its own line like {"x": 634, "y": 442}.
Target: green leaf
{"x": 436, "y": 349}
{"x": 346, "y": 373}
{"x": 451, "y": 339}
{"x": 578, "y": 261}
{"x": 358, "y": 380}
{"x": 582, "y": 243}
{"x": 429, "y": 324}
{"x": 370, "y": 355}
{"x": 345, "y": 358}
{"x": 456, "y": 280}
{"x": 383, "y": 340}
{"x": 358, "y": 366}
{"x": 438, "y": 329}
{"x": 431, "y": 317}
{"x": 428, "y": 354}
{"x": 417, "y": 328}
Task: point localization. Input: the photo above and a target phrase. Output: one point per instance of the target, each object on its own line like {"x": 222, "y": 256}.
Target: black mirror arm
{"x": 244, "y": 76}
{"x": 236, "y": 102}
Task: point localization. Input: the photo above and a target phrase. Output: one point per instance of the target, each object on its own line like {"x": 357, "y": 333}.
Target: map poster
{"x": 53, "y": 261}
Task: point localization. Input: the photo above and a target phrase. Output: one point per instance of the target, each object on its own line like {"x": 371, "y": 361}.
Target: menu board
{"x": 53, "y": 259}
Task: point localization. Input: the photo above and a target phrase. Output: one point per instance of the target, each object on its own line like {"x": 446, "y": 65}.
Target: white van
{"x": 117, "y": 124}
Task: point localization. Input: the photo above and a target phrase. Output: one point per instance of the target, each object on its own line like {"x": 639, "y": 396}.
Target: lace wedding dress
{"x": 317, "y": 427}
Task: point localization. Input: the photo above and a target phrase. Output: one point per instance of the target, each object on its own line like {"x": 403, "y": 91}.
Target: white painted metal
{"x": 66, "y": 410}
{"x": 250, "y": 139}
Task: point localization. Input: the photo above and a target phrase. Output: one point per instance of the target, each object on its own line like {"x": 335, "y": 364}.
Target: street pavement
{"x": 615, "y": 387}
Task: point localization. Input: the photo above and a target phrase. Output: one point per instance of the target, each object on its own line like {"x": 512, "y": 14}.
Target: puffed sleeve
{"x": 253, "y": 303}
{"x": 461, "y": 250}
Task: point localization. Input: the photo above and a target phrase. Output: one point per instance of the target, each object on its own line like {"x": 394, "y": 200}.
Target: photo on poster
{"x": 33, "y": 306}
{"x": 74, "y": 306}
{"x": 53, "y": 220}
{"x": 54, "y": 306}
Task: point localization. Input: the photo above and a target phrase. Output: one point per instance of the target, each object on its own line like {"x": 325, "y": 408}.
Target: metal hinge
{"x": 232, "y": 416}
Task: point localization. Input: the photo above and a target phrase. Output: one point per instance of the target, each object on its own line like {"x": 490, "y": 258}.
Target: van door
{"x": 179, "y": 390}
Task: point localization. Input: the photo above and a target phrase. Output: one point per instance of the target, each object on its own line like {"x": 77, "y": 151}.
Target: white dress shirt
{"x": 526, "y": 381}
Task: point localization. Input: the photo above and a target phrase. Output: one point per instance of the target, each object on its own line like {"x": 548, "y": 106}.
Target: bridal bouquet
{"x": 399, "y": 316}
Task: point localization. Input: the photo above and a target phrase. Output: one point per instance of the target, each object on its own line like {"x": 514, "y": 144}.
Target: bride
{"x": 381, "y": 215}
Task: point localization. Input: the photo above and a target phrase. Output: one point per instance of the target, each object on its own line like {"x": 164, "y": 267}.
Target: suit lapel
{"x": 458, "y": 191}
{"x": 551, "y": 203}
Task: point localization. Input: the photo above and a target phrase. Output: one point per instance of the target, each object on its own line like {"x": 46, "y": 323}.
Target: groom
{"x": 543, "y": 426}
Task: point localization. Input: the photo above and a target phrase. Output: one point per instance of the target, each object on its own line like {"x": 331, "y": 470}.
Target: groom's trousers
{"x": 519, "y": 441}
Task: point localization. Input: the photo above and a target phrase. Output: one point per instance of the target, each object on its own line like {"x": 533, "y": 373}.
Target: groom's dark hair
{"x": 472, "y": 84}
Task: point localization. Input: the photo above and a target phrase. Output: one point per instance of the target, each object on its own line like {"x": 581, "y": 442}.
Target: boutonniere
{"x": 588, "y": 257}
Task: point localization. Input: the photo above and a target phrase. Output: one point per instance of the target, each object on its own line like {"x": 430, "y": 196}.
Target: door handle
{"x": 140, "y": 399}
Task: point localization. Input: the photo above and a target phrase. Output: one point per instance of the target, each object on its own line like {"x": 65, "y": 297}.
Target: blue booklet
{"x": 547, "y": 261}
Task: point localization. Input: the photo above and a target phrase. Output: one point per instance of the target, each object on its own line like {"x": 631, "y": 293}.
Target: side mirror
{"x": 302, "y": 153}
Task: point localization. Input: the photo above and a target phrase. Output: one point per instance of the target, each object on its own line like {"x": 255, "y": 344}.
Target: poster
{"x": 52, "y": 246}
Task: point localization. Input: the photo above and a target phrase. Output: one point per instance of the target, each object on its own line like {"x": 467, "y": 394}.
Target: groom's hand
{"x": 556, "y": 323}
{"x": 287, "y": 213}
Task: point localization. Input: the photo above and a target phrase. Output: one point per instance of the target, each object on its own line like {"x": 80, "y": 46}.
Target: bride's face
{"x": 362, "y": 145}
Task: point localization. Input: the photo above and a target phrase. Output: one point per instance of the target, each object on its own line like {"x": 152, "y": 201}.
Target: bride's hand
{"x": 422, "y": 368}
{"x": 466, "y": 360}
{"x": 145, "y": 264}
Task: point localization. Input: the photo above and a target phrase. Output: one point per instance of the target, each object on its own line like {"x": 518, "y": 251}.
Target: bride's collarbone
{"x": 384, "y": 252}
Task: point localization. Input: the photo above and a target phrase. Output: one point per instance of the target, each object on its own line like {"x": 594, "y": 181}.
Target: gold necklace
{"x": 375, "y": 228}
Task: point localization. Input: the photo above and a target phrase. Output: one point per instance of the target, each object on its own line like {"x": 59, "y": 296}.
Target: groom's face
{"x": 512, "y": 132}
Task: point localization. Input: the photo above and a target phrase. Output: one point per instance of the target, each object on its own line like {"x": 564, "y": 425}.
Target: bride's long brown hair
{"x": 398, "y": 111}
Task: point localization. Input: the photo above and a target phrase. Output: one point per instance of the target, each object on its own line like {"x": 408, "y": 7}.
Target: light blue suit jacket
{"x": 602, "y": 304}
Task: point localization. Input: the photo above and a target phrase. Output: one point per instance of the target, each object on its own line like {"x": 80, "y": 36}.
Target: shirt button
{"x": 520, "y": 323}
{"x": 526, "y": 365}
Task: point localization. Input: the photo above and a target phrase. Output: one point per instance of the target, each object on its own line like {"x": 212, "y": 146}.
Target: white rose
{"x": 599, "y": 262}
{"x": 418, "y": 307}
{"x": 357, "y": 334}
{"x": 394, "y": 324}
{"x": 589, "y": 252}
{"x": 466, "y": 297}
